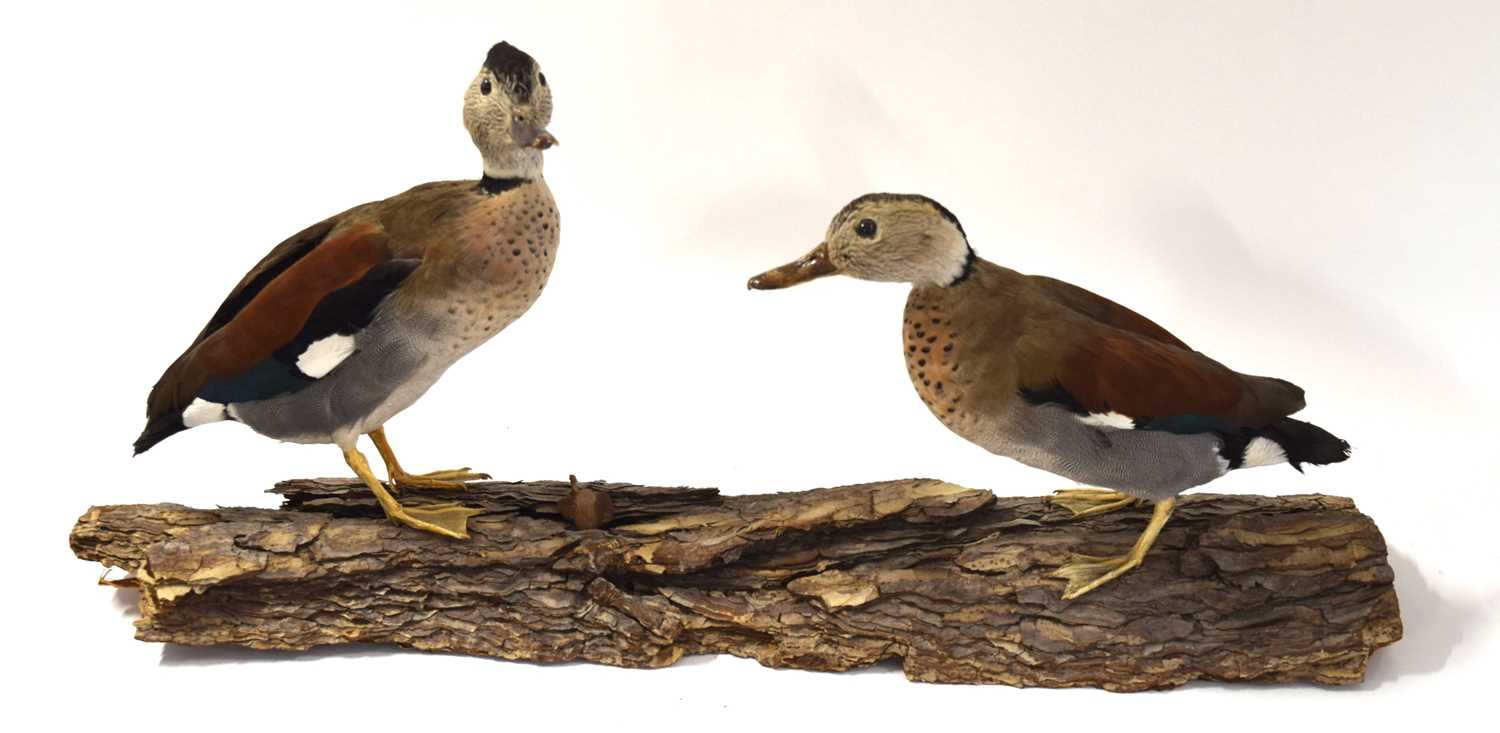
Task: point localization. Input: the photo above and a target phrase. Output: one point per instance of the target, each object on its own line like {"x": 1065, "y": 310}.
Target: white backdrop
{"x": 1307, "y": 190}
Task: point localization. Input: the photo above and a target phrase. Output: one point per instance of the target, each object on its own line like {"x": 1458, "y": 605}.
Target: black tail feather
{"x": 1302, "y": 442}
{"x": 1305, "y": 442}
{"x": 159, "y": 428}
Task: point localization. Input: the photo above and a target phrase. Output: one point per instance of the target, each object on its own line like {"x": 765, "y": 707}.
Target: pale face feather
{"x": 911, "y": 242}
{"x": 495, "y": 119}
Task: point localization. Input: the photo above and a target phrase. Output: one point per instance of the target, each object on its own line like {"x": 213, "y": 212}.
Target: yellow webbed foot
{"x": 449, "y": 520}
{"x": 451, "y": 480}
{"x": 1086, "y": 572}
{"x": 1092, "y": 502}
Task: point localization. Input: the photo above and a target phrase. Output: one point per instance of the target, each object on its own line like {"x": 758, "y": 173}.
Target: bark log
{"x": 951, "y": 581}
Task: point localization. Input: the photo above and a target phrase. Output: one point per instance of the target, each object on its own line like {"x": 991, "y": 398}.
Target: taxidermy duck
{"x": 351, "y": 320}
{"x": 1059, "y": 378}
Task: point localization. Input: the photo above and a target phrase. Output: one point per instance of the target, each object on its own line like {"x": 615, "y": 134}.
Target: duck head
{"x": 883, "y": 237}
{"x": 506, "y": 110}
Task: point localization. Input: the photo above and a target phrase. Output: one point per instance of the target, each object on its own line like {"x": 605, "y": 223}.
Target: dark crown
{"x": 511, "y": 65}
{"x": 885, "y": 197}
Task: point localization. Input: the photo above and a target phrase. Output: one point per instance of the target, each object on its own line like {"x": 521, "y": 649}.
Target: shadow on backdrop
{"x": 1189, "y": 236}
{"x": 1433, "y": 625}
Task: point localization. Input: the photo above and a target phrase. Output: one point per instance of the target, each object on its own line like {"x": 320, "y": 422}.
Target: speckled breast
{"x": 959, "y": 387}
{"x": 507, "y": 247}
{"x": 933, "y": 354}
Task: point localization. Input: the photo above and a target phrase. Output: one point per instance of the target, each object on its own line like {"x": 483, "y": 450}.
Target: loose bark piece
{"x": 951, "y": 581}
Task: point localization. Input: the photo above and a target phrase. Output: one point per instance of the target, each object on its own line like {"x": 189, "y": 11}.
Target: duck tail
{"x": 1285, "y": 441}
{"x": 159, "y": 428}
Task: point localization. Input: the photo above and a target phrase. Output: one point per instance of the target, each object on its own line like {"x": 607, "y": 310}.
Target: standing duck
{"x": 1059, "y": 378}
{"x": 349, "y": 321}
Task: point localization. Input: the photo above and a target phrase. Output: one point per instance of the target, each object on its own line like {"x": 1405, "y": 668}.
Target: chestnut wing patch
{"x": 1158, "y": 386}
{"x": 1104, "y": 310}
{"x": 324, "y": 341}
{"x": 285, "y": 255}
{"x": 271, "y": 336}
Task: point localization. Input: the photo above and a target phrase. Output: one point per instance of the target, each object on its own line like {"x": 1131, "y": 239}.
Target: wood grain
{"x": 950, "y": 581}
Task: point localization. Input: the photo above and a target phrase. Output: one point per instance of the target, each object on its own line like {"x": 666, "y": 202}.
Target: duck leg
{"x": 1086, "y": 572}
{"x": 1092, "y": 502}
{"x": 451, "y": 479}
{"x": 449, "y": 520}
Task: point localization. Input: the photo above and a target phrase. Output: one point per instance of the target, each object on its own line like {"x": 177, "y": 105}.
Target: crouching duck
{"x": 1059, "y": 378}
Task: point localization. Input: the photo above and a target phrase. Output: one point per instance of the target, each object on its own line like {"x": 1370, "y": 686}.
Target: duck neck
{"x": 964, "y": 269}
{"x": 513, "y": 163}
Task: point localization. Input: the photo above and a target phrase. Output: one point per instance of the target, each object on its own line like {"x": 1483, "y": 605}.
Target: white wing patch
{"x": 1263, "y": 452}
{"x": 1109, "y": 420}
{"x": 324, "y": 354}
{"x": 202, "y": 412}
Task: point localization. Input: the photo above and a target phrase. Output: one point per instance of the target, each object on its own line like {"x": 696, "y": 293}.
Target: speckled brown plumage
{"x": 485, "y": 257}
{"x": 1051, "y": 333}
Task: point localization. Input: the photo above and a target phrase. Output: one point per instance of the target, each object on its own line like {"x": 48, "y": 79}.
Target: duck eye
{"x": 542, "y": 78}
{"x": 484, "y": 86}
{"x": 865, "y": 228}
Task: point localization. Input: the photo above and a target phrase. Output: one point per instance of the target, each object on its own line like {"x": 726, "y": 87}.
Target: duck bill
{"x": 543, "y": 140}
{"x": 813, "y": 265}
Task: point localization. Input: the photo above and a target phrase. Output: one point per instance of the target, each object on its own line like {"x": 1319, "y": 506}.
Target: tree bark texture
{"x": 951, "y": 581}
